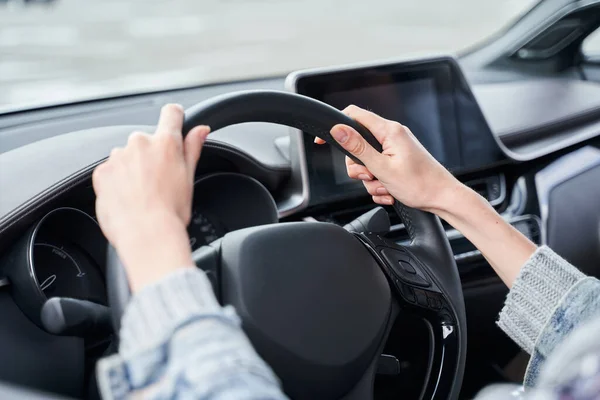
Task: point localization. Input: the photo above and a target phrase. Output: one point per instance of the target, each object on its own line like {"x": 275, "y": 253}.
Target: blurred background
{"x": 57, "y": 51}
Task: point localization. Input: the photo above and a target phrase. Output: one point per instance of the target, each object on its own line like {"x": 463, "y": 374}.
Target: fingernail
{"x": 316, "y": 139}
{"x": 205, "y": 128}
{"x": 390, "y": 201}
{"x": 178, "y": 106}
{"x": 364, "y": 177}
{"x": 381, "y": 190}
{"x": 340, "y": 134}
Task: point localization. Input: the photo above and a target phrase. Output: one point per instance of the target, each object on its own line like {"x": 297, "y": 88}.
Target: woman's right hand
{"x": 404, "y": 170}
{"x": 407, "y": 172}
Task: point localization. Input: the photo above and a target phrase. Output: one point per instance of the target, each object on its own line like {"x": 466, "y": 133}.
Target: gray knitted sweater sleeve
{"x": 553, "y": 312}
{"x": 536, "y": 293}
{"x": 549, "y": 301}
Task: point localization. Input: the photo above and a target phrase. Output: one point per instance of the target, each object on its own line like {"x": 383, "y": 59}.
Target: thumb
{"x": 192, "y": 146}
{"x": 356, "y": 145}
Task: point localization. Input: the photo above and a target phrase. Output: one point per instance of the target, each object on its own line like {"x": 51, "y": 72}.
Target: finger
{"x": 138, "y": 139}
{"x": 115, "y": 153}
{"x": 97, "y": 177}
{"x": 192, "y": 146}
{"x": 356, "y": 145}
{"x": 357, "y": 171}
{"x": 318, "y": 140}
{"x": 171, "y": 121}
{"x": 383, "y": 200}
{"x": 375, "y": 188}
{"x": 369, "y": 120}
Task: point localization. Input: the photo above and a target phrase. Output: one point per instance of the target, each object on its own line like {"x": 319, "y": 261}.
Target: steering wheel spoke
{"x": 419, "y": 294}
{"x": 207, "y": 259}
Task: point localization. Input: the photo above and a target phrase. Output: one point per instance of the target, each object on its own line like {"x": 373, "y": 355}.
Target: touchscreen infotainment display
{"x": 431, "y": 98}
{"x": 413, "y": 102}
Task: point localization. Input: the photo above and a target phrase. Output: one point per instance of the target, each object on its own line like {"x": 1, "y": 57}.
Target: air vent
{"x": 491, "y": 188}
{"x": 466, "y": 253}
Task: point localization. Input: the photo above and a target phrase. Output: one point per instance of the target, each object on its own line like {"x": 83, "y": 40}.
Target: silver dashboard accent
{"x": 502, "y": 196}
{"x": 447, "y": 330}
{"x": 560, "y": 171}
{"x": 579, "y": 135}
{"x": 502, "y": 182}
{"x": 299, "y": 184}
{"x": 518, "y": 200}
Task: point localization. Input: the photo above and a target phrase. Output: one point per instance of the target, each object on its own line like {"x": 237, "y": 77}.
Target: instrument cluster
{"x": 64, "y": 253}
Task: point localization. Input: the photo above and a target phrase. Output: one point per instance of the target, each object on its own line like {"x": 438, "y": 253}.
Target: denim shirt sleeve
{"x": 549, "y": 298}
{"x": 177, "y": 341}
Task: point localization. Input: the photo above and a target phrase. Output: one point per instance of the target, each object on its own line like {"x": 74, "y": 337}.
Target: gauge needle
{"x": 48, "y": 282}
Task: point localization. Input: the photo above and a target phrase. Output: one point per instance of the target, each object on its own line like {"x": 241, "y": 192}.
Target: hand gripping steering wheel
{"x": 316, "y": 301}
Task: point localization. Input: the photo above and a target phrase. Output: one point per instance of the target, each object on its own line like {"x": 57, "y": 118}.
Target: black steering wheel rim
{"x": 429, "y": 250}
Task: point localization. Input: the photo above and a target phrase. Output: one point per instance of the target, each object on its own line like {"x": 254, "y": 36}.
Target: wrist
{"x": 158, "y": 246}
{"x": 454, "y": 200}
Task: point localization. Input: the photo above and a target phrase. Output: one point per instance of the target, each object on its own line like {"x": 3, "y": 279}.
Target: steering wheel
{"x": 316, "y": 301}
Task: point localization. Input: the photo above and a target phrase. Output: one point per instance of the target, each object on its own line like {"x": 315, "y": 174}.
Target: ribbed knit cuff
{"x": 157, "y": 310}
{"x": 541, "y": 284}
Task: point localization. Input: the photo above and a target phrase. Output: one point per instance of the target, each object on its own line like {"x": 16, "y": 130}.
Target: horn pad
{"x": 313, "y": 301}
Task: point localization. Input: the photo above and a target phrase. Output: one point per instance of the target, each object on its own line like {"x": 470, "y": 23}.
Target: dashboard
{"x": 253, "y": 174}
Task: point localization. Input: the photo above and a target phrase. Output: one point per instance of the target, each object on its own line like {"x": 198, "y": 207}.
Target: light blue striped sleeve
{"x": 178, "y": 342}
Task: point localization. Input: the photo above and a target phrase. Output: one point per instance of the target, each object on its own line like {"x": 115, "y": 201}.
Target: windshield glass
{"x": 56, "y": 51}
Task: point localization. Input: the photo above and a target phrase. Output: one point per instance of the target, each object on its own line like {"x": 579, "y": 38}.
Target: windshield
{"x": 56, "y": 51}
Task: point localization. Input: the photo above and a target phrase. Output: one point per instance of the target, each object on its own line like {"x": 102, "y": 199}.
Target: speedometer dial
{"x": 62, "y": 255}
{"x": 62, "y": 270}
{"x": 225, "y": 202}
{"x": 57, "y": 271}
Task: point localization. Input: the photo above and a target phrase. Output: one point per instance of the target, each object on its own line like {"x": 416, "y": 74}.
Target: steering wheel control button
{"x": 407, "y": 267}
{"x": 407, "y": 292}
{"x": 434, "y": 303}
{"x": 403, "y": 267}
{"x": 422, "y": 299}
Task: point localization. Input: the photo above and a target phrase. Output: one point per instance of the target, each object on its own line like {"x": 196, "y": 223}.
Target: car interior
{"x": 343, "y": 298}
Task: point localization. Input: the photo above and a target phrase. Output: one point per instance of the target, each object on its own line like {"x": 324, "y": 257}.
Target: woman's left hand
{"x": 144, "y": 198}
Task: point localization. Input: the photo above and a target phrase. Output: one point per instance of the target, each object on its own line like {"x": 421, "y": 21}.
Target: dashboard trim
{"x": 502, "y": 196}
{"x": 580, "y": 135}
{"x": 298, "y": 201}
